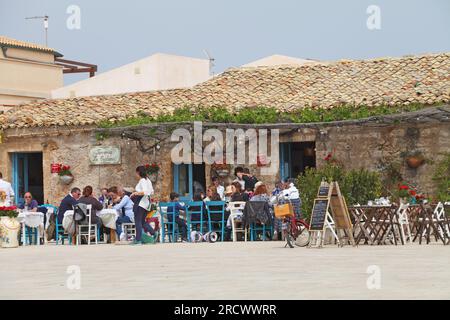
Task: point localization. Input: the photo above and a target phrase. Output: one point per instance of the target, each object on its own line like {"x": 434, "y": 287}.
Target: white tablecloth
{"x": 31, "y": 219}
{"x": 108, "y": 217}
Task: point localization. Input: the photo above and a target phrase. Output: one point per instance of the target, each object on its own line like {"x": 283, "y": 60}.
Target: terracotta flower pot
{"x": 414, "y": 162}
{"x": 66, "y": 179}
{"x": 9, "y": 230}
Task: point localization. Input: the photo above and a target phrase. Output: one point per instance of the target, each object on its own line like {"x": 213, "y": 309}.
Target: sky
{"x": 112, "y": 33}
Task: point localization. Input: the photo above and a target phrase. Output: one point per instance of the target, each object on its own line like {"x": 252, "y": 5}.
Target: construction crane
{"x": 45, "y": 26}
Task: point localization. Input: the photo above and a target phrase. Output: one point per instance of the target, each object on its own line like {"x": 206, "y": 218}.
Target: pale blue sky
{"x": 236, "y": 32}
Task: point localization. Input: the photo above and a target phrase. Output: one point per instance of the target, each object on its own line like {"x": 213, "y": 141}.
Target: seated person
{"x": 88, "y": 198}
{"x": 174, "y": 197}
{"x": 124, "y": 206}
{"x": 105, "y": 197}
{"x": 29, "y": 204}
{"x": 212, "y": 194}
{"x": 68, "y": 202}
{"x": 238, "y": 193}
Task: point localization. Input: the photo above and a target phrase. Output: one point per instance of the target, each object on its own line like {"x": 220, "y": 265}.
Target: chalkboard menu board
{"x": 323, "y": 191}
{"x": 319, "y": 214}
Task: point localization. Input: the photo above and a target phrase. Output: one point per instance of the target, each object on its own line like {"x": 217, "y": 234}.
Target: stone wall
{"x": 354, "y": 146}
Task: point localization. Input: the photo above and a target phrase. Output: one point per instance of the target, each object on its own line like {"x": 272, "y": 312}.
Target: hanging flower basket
{"x": 66, "y": 179}
{"x": 65, "y": 175}
{"x": 415, "y": 161}
{"x": 153, "y": 177}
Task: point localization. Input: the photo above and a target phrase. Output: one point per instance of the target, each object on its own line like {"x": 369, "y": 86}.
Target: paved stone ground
{"x": 263, "y": 270}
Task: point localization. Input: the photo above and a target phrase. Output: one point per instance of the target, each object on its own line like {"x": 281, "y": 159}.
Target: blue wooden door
{"x": 183, "y": 181}
{"x": 20, "y": 175}
{"x": 285, "y": 160}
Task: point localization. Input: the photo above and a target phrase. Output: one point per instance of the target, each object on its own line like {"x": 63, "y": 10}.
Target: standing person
{"x": 141, "y": 199}
{"x": 68, "y": 202}
{"x": 7, "y": 188}
{"x": 219, "y": 187}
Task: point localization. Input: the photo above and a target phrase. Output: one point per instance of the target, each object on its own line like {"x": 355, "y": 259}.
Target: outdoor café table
{"x": 426, "y": 225}
{"x": 32, "y": 220}
{"x": 374, "y": 224}
{"x": 109, "y": 218}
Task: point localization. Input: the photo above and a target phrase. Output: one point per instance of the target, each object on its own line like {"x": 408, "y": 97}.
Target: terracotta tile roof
{"x": 392, "y": 81}
{"x": 23, "y": 44}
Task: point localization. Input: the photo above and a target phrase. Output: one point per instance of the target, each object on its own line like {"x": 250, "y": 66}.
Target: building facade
{"x": 28, "y": 72}
{"x": 67, "y": 131}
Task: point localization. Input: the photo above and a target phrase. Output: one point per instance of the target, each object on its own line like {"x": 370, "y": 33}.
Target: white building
{"x": 156, "y": 72}
{"x": 278, "y": 60}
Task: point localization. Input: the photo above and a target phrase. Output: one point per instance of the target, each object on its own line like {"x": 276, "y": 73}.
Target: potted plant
{"x": 403, "y": 192}
{"x": 414, "y": 159}
{"x": 65, "y": 175}
{"x": 152, "y": 171}
{"x": 9, "y": 227}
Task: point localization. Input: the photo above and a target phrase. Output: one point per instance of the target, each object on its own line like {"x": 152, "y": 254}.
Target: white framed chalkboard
{"x": 319, "y": 214}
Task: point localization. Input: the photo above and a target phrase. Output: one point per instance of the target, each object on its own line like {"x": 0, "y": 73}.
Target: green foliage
{"x": 441, "y": 178}
{"x": 357, "y": 186}
{"x": 261, "y": 115}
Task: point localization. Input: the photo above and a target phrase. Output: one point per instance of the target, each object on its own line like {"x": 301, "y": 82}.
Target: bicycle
{"x": 295, "y": 231}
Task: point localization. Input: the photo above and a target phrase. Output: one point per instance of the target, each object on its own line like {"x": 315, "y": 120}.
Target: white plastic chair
{"x": 402, "y": 215}
{"x": 129, "y": 230}
{"x": 236, "y": 208}
{"x": 88, "y": 230}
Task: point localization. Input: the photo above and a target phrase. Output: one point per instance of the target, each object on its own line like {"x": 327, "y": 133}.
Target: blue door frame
{"x": 176, "y": 181}
{"x": 285, "y": 160}
{"x": 20, "y": 181}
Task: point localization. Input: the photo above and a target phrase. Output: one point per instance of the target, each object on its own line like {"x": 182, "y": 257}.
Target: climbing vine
{"x": 262, "y": 114}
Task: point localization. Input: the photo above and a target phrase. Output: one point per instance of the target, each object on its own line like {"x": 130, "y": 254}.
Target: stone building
{"x": 37, "y": 135}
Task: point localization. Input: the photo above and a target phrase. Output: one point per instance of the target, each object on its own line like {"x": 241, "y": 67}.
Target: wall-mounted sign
{"x": 104, "y": 155}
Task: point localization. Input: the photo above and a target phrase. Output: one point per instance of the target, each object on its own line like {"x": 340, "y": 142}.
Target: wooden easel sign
{"x": 319, "y": 214}
{"x": 341, "y": 216}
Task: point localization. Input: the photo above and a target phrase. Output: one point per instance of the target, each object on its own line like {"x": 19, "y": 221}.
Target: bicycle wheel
{"x": 302, "y": 237}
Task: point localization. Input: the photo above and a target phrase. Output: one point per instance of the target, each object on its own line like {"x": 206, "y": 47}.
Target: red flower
{"x": 412, "y": 192}
{"x": 403, "y": 187}
{"x": 147, "y": 166}
{"x": 328, "y": 157}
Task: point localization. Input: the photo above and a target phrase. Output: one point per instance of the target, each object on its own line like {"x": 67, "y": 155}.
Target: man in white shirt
{"x": 7, "y": 188}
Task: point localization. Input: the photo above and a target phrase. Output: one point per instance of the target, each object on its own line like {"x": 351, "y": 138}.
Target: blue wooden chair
{"x": 194, "y": 217}
{"x": 31, "y": 235}
{"x": 168, "y": 226}
{"x": 216, "y": 209}
{"x": 59, "y": 232}
{"x": 256, "y": 228}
